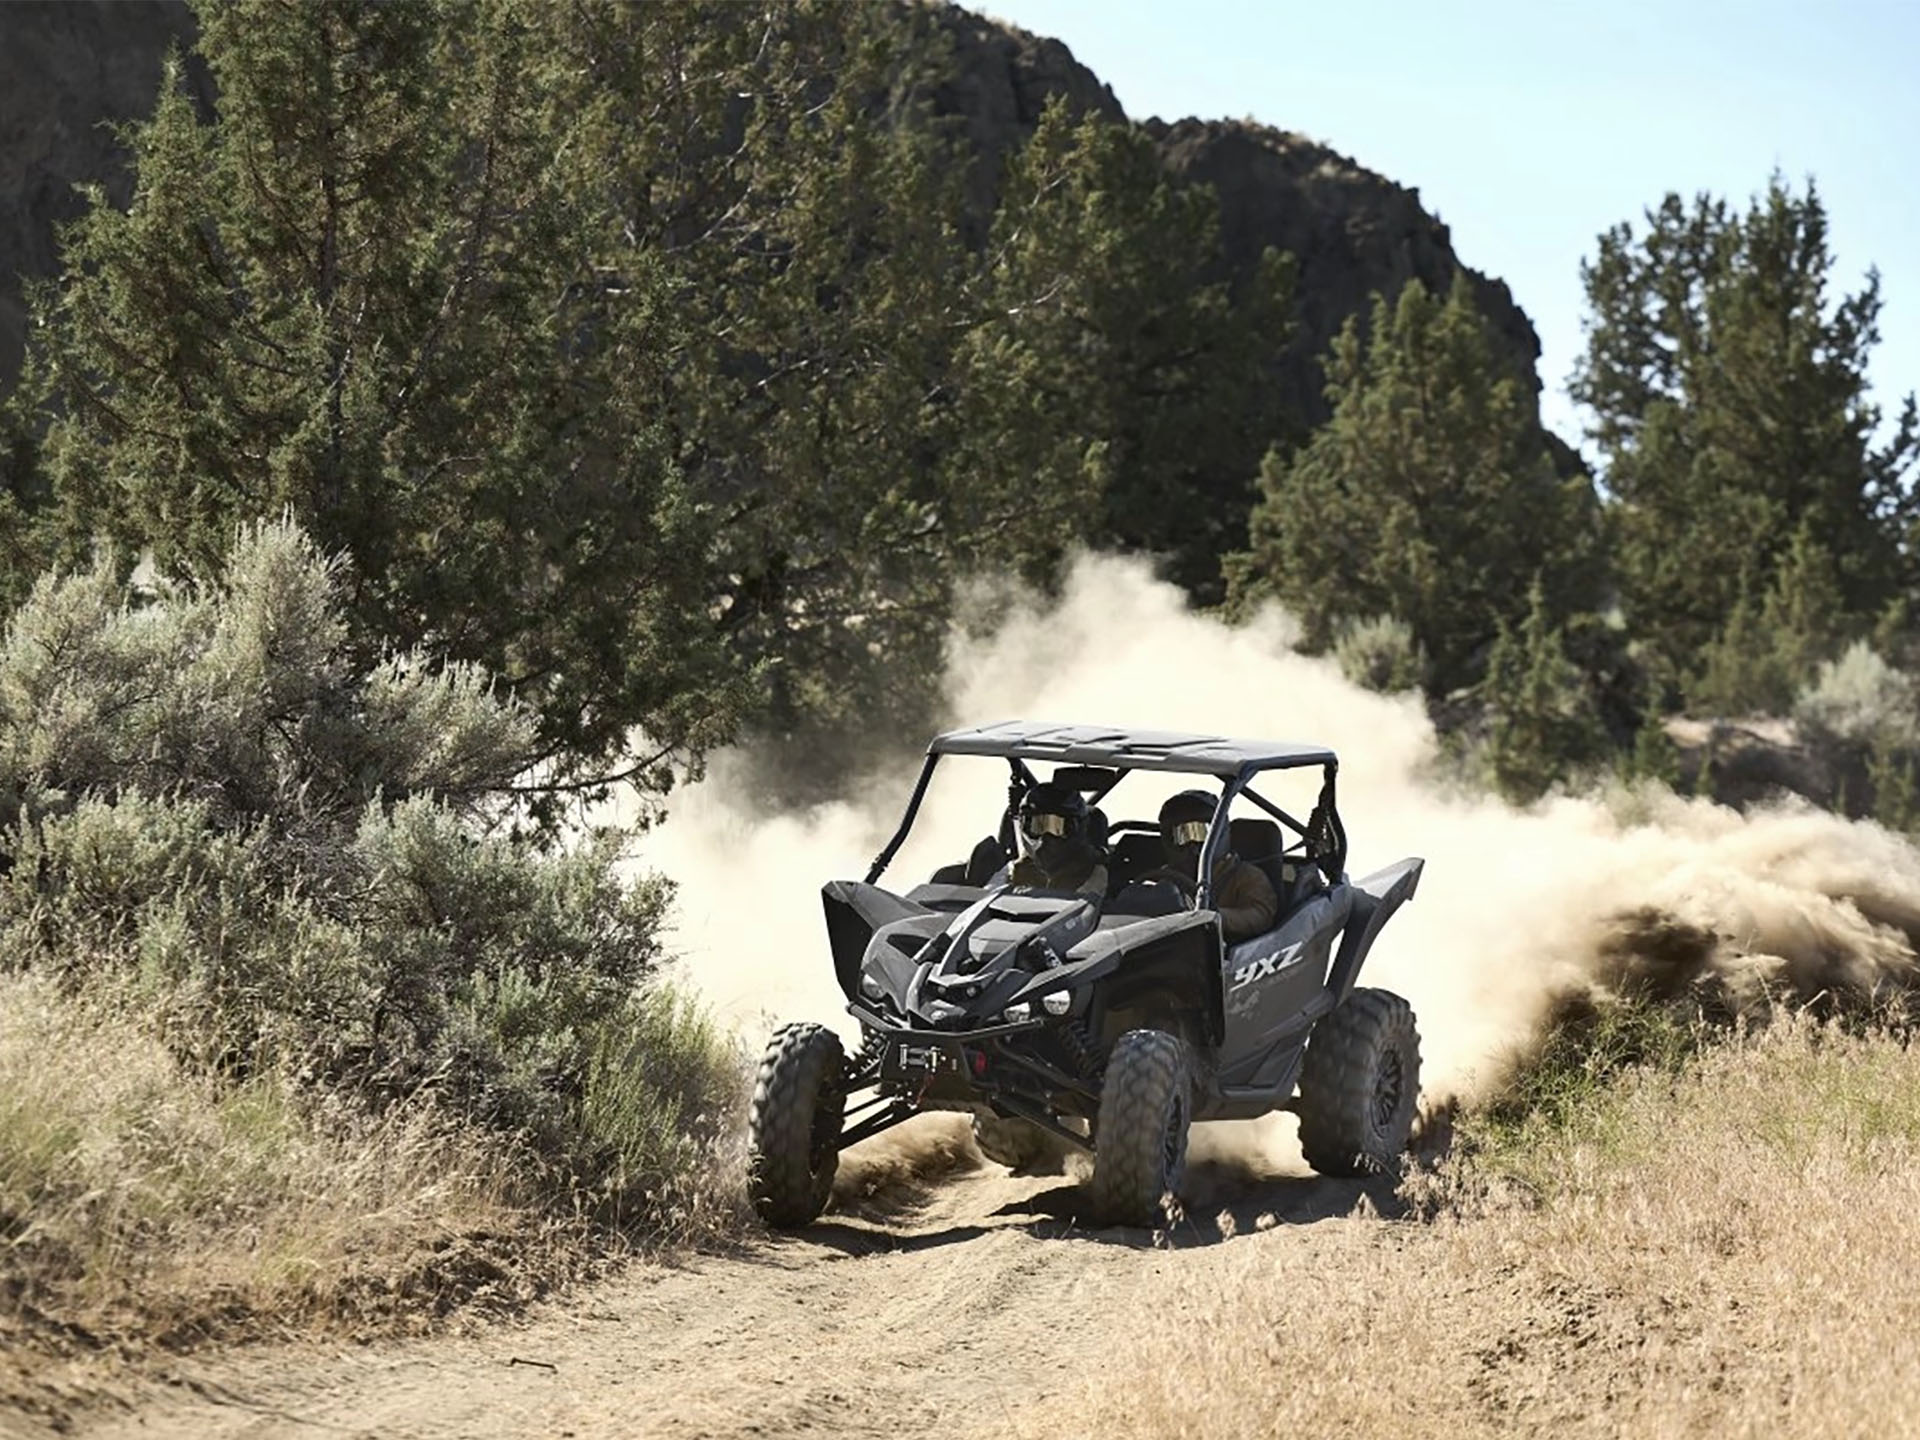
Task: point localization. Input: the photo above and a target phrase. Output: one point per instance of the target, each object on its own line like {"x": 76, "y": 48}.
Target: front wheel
{"x": 1359, "y": 1085}
{"x": 793, "y": 1129}
{"x": 1140, "y": 1155}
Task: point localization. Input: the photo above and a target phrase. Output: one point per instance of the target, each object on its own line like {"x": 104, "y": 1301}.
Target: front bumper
{"x": 966, "y": 1067}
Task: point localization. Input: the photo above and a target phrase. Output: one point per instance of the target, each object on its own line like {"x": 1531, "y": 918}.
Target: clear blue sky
{"x": 1531, "y": 127}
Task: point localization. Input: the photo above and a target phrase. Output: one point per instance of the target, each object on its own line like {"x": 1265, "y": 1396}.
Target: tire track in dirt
{"x": 965, "y": 1305}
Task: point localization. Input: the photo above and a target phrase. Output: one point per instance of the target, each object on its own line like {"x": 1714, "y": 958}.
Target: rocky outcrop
{"x": 68, "y": 67}
{"x": 69, "y": 71}
{"x": 1352, "y": 234}
{"x": 1001, "y": 83}
{"x": 1762, "y": 758}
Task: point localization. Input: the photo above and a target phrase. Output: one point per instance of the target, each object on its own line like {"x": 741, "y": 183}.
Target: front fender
{"x": 1178, "y": 954}
{"x": 854, "y": 912}
{"x": 1375, "y": 898}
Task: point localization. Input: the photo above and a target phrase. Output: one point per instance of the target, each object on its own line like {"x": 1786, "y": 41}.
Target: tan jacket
{"x": 1029, "y": 876}
{"x": 1242, "y": 895}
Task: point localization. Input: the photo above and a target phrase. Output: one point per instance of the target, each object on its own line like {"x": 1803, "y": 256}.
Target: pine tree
{"x": 1542, "y": 720}
{"x": 1654, "y": 756}
{"x": 366, "y": 295}
{"x": 1730, "y": 400}
{"x": 1739, "y": 672}
{"x": 1428, "y": 496}
{"x": 1768, "y": 653}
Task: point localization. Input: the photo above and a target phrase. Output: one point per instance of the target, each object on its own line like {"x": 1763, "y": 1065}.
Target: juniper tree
{"x": 634, "y": 351}
{"x": 1108, "y": 354}
{"x": 1729, "y": 395}
{"x": 365, "y": 295}
{"x": 1429, "y": 495}
{"x": 1541, "y": 717}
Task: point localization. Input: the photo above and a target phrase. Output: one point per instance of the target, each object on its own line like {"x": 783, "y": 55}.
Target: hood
{"x": 972, "y": 964}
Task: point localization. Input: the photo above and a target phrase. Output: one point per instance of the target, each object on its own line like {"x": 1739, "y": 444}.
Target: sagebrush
{"x": 300, "y": 871}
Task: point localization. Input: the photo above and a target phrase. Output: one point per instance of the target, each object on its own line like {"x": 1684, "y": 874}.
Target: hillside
{"x": 68, "y": 68}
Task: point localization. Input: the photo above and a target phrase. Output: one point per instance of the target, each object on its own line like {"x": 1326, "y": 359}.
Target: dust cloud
{"x": 1517, "y": 909}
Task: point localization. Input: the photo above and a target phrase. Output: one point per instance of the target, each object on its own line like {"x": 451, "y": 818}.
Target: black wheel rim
{"x": 824, "y": 1138}
{"x": 1173, "y": 1143}
{"x": 1387, "y": 1091}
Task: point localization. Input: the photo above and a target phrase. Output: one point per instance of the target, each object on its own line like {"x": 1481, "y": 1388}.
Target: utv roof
{"x": 1127, "y": 749}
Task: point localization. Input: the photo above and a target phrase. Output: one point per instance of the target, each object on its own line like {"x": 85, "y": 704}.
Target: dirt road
{"x": 958, "y": 1304}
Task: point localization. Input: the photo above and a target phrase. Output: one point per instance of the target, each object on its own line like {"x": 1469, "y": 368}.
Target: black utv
{"x": 1106, "y": 1021}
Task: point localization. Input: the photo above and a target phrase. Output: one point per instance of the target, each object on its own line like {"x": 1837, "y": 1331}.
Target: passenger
{"x": 1056, "y": 847}
{"x": 1242, "y": 894}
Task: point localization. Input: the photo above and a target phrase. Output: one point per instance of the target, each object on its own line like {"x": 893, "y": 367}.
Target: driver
{"x": 1242, "y": 894}
{"x": 1056, "y": 849}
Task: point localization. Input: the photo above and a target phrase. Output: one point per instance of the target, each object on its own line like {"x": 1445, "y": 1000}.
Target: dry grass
{"x": 1726, "y": 1253}
{"x": 140, "y": 1202}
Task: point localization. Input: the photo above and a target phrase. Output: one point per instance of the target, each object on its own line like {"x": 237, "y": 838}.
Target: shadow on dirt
{"x": 892, "y": 1194}
{"x": 1220, "y": 1202}
{"x": 855, "y": 1240}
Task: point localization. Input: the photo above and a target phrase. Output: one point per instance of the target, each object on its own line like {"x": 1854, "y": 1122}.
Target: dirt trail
{"x": 952, "y": 1306}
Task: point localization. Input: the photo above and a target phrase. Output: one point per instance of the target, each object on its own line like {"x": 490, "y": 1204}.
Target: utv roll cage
{"x": 1094, "y": 759}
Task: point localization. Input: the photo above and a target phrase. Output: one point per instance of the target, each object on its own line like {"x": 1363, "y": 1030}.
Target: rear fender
{"x": 1375, "y": 898}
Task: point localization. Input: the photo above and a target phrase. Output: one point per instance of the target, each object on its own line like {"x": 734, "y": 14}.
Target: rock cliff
{"x": 1351, "y": 233}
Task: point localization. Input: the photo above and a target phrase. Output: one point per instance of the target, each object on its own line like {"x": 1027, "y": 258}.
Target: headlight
{"x": 871, "y": 987}
{"x": 1022, "y": 1011}
{"x": 1058, "y": 1003}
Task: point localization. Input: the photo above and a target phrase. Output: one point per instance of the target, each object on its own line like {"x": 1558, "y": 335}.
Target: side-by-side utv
{"x": 1105, "y": 1021}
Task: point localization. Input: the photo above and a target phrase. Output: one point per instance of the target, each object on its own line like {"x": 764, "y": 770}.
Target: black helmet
{"x": 1052, "y": 811}
{"x": 1182, "y": 813}
{"x": 1053, "y": 827}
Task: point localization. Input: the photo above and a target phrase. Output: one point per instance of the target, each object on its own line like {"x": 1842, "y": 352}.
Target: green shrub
{"x": 1382, "y": 654}
{"x": 1862, "y": 699}
{"x": 299, "y": 862}
{"x": 1581, "y": 1051}
{"x": 1866, "y": 712}
{"x": 1542, "y": 722}
{"x": 1768, "y": 650}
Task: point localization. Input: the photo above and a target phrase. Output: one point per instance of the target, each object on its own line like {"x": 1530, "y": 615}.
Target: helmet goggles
{"x": 1040, "y": 823}
{"x": 1188, "y": 832}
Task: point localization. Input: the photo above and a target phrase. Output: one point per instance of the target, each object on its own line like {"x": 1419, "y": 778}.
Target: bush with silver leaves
{"x": 293, "y": 856}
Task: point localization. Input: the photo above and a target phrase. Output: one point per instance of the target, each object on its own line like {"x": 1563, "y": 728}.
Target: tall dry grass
{"x": 1729, "y": 1252}
{"x": 140, "y": 1200}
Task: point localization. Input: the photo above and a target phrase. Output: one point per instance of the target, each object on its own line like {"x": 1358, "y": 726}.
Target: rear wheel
{"x": 1359, "y": 1085}
{"x": 793, "y": 1129}
{"x": 1140, "y": 1155}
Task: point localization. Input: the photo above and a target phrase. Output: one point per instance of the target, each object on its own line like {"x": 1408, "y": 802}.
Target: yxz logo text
{"x": 1256, "y": 970}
